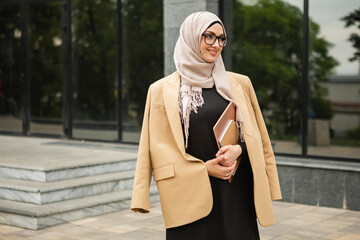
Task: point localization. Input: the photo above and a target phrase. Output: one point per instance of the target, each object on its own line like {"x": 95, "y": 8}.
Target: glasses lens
{"x": 223, "y": 42}
{"x": 210, "y": 39}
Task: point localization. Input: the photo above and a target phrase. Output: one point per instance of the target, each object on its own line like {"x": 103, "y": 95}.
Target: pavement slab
{"x": 294, "y": 222}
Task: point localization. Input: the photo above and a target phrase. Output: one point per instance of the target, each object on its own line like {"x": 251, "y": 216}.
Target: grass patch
{"x": 348, "y": 142}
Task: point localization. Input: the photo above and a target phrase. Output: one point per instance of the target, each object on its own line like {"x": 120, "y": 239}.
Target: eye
{"x": 209, "y": 36}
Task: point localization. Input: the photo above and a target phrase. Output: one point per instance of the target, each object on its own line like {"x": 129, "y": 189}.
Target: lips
{"x": 213, "y": 52}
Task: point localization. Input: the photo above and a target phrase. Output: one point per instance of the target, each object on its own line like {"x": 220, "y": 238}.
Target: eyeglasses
{"x": 211, "y": 38}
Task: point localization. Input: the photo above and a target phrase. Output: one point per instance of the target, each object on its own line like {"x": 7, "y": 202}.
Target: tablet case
{"x": 225, "y": 131}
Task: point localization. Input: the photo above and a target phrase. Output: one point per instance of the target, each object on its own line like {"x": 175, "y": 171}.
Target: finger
{"x": 232, "y": 168}
{"x": 223, "y": 149}
{"x": 217, "y": 159}
{"x": 228, "y": 170}
{"x": 234, "y": 164}
{"x": 226, "y": 176}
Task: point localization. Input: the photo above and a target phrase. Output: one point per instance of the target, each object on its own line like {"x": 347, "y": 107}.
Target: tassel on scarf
{"x": 189, "y": 100}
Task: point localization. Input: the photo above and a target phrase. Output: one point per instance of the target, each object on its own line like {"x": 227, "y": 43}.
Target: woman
{"x": 178, "y": 147}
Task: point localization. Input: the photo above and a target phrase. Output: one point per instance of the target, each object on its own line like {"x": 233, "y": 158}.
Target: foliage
{"x": 94, "y": 59}
{"x": 267, "y": 46}
{"x": 353, "y": 19}
{"x": 142, "y": 53}
{"x": 95, "y": 52}
{"x": 45, "y": 61}
{"x": 10, "y": 91}
{"x": 321, "y": 106}
{"x": 343, "y": 141}
{"x": 95, "y": 64}
{"x": 354, "y": 134}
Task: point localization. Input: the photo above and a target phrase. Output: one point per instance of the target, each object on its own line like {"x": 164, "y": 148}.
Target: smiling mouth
{"x": 212, "y": 52}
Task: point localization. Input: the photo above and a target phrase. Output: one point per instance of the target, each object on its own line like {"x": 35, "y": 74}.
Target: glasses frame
{"x": 224, "y": 39}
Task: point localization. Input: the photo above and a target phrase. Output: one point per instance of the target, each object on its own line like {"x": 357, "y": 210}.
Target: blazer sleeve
{"x": 267, "y": 148}
{"x": 141, "y": 196}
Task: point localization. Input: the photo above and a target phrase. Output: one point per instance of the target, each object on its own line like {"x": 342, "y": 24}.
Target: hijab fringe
{"x": 240, "y": 132}
{"x": 190, "y": 99}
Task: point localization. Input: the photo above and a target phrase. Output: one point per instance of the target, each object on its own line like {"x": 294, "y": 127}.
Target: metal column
{"x": 305, "y": 79}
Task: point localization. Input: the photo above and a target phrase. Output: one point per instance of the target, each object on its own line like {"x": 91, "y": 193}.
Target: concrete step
{"x": 67, "y": 172}
{"x": 44, "y": 182}
{"x": 45, "y": 160}
{"x": 33, "y": 216}
{"x": 50, "y": 192}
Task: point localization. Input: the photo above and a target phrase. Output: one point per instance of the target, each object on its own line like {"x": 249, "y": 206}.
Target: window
{"x": 10, "y": 81}
{"x": 267, "y": 46}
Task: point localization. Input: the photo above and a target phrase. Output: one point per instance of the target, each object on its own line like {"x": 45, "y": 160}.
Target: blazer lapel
{"x": 239, "y": 98}
{"x": 171, "y": 96}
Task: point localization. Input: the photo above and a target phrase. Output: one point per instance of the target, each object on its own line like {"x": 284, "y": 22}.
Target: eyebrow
{"x": 223, "y": 34}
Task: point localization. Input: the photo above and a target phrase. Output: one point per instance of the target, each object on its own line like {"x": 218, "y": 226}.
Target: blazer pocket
{"x": 158, "y": 106}
{"x": 163, "y": 173}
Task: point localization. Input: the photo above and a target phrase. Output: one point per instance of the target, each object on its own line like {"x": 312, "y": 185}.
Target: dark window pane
{"x": 45, "y": 67}
{"x": 10, "y": 87}
{"x": 266, "y": 45}
{"x": 142, "y": 23}
{"x": 94, "y": 69}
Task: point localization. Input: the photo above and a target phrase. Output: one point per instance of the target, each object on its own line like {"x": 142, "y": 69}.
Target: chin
{"x": 210, "y": 59}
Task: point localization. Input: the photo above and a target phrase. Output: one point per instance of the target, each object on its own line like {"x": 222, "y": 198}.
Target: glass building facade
{"x": 318, "y": 98}
{"x": 80, "y": 69}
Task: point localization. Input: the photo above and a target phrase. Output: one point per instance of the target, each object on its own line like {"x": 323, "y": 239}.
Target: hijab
{"x": 197, "y": 74}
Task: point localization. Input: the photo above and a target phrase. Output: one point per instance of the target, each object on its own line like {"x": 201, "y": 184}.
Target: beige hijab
{"x": 196, "y": 73}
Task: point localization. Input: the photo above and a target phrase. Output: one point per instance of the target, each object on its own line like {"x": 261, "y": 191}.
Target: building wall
{"x": 319, "y": 182}
{"x": 347, "y": 92}
{"x": 344, "y": 94}
{"x": 175, "y": 12}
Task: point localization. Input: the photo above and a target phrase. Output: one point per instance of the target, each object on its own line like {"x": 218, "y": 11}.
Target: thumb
{"x": 222, "y": 150}
{"x": 218, "y": 159}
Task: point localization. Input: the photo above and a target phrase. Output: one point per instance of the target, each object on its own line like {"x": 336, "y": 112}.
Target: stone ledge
{"x": 51, "y": 155}
{"x": 30, "y": 186}
{"x": 320, "y": 182}
{"x": 319, "y": 164}
{"x": 44, "y": 193}
{"x": 121, "y": 147}
{"x": 69, "y": 173}
{"x": 58, "y": 164}
{"x": 36, "y": 211}
{"x": 36, "y": 223}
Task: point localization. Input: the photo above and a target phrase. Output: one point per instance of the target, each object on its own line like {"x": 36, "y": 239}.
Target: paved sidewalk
{"x": 294, "y": 221}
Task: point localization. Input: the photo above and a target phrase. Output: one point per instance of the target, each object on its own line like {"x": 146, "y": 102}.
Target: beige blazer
{"x": 182, "y": 180}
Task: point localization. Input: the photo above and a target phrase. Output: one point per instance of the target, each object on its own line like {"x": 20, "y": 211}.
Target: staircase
{"x": 48, "y": 182}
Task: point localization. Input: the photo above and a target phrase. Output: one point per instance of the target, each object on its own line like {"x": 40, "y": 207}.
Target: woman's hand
{"x": 216, "y": 170}
{"x": 229, "y": 153}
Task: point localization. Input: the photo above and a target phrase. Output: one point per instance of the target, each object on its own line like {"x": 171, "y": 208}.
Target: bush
{"x": 354, "y": 134}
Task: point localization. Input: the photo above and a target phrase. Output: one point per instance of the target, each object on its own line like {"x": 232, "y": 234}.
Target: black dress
{"x": 233, "y": 215}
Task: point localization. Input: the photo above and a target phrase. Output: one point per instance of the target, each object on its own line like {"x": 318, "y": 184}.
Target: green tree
{"x": 267, "y": 46}
{"x": 353, "y": 19}
{"x": 94, "y": 59}
{"x": 10, "y": 91}
{"x": 45, "y": 61}
{"x": 142, "y": 52}
{"x": 95, "y": 49}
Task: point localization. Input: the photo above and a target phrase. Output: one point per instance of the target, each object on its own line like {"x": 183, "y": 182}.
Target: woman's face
{"x": 211, "y": 52}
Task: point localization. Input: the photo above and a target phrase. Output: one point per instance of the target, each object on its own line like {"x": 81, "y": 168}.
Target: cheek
{"x": 220, "y": 51}
{"x": 202, "y": 50}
